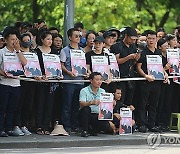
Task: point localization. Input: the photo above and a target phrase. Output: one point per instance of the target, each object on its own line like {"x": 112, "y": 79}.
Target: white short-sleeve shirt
{"x": 3, "y": 80}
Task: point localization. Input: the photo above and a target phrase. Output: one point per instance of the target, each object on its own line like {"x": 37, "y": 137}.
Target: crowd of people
{"x": 28, "y": 106}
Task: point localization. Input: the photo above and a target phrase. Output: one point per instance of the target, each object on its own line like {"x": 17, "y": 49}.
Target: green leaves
{"x": 95, "y": 14}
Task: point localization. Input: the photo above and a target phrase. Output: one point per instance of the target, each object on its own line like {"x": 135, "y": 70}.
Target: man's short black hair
{"x": 145, "y": 32}
{"x": 161, "y": 29}
{"x": 70, "y": 31}
{"x": 79, "y": 25}
{"x": 93, "y": 74}
{"x": 10, "y": 31}
{"x": 151, "y": 32}
{"x": 39, "y": 21}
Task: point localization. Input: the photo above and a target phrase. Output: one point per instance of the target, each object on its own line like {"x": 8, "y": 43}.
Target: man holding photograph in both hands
{"x": 89, "y": 108}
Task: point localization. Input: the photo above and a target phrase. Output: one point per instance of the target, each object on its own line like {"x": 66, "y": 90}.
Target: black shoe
{"x": 76, "y": 130}
{"x": 84, "y": 133}
{"x": 142, "y": 129}
{"x": 3, "y": 134}
{"x": 155, "y": 129}
{"x": 68, "y": 130}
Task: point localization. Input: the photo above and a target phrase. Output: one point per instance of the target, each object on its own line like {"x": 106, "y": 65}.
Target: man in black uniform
{"x": 149, "y": 89}
{"x": 126, "y": 56}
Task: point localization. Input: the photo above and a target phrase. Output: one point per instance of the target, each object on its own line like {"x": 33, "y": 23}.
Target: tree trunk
{"x": 139, "y": 4}
{"x": 35, "y": 7}
{"x": 164, "y": 19}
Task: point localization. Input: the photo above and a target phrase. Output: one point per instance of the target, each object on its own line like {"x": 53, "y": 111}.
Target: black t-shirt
{"x": 92, "y": 53}
{"x": 143, "y": 59}
{"x": 119, "y": 105}
{"x": 41, "y": 63}
{"x": 127, "y": 68}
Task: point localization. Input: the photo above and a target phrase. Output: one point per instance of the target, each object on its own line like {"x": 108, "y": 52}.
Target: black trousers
{"x": 57, "y": 104}
{"x": 9, "y": 98}
{"x": 90, "y": 120}
{"x": 175, "y": 102}
{"x": 128, "y": 88}
{"x": 25, "y": 105}
{"x": 164, "y": 105}
{"x": 149, "y": 95}
{"x": 44, "y": 105}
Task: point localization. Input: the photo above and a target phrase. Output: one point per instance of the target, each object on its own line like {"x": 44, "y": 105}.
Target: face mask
{"x": 26, "y": 44}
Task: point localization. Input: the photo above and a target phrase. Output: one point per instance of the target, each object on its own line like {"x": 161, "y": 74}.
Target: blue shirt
{"x": 87, "y": 95}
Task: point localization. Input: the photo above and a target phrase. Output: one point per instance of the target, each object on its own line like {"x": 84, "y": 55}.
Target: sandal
{"x": 39, "y": 131}
{"x": 46, "y": 132}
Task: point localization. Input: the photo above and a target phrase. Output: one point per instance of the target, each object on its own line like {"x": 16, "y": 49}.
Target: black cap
{"x": 131, "y": 32}
{"x": 161, "y": 42}
{"x": 99, "y": 39}
{"x": 108, "y": 33}
{"x": 169, "y": 37}
{"x": 114, "y": 29}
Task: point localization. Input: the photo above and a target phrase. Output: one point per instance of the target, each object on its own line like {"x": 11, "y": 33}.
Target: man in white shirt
{"x": 9, "y": 87}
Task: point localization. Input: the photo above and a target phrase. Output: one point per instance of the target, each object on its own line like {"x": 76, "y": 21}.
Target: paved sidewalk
{"x": 47, "y": 141}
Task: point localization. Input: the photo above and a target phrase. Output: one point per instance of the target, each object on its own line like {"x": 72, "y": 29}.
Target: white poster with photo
{"x": 173, "y": 60}
{"x": 114, "y": 68}
{"x": 12, "y": 65}
{"x": 52, "y": 65}
{"x": 126, "y": 121}
{"x": 100, "y": 64}
{"x": 78, "y": 62}
{"x": 32, "y": 68}
{"x": 106, "y": 106}
{"x": 155, "y": 67}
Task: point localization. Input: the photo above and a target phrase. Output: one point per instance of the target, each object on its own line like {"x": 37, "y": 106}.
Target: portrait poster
{"x": 32, "y": 68}
{"x": 106, "y": 106}
{"x": 126, "y": 121}
{"x": 100, "y": 64}
{"x": 52, "y": 65}
{"x": 114, "y": 68}
{"x": 155, "y": 67}
{"x": 78, "y": 62}
{"x": 173, "y": 60}
{"x": 12, "y": 65}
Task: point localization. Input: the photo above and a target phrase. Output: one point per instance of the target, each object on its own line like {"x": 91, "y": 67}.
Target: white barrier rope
{"x": 74, "y": 81}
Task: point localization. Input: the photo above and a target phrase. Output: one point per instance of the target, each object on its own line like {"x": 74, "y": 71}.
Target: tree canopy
{"x": 95, "y": 14}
